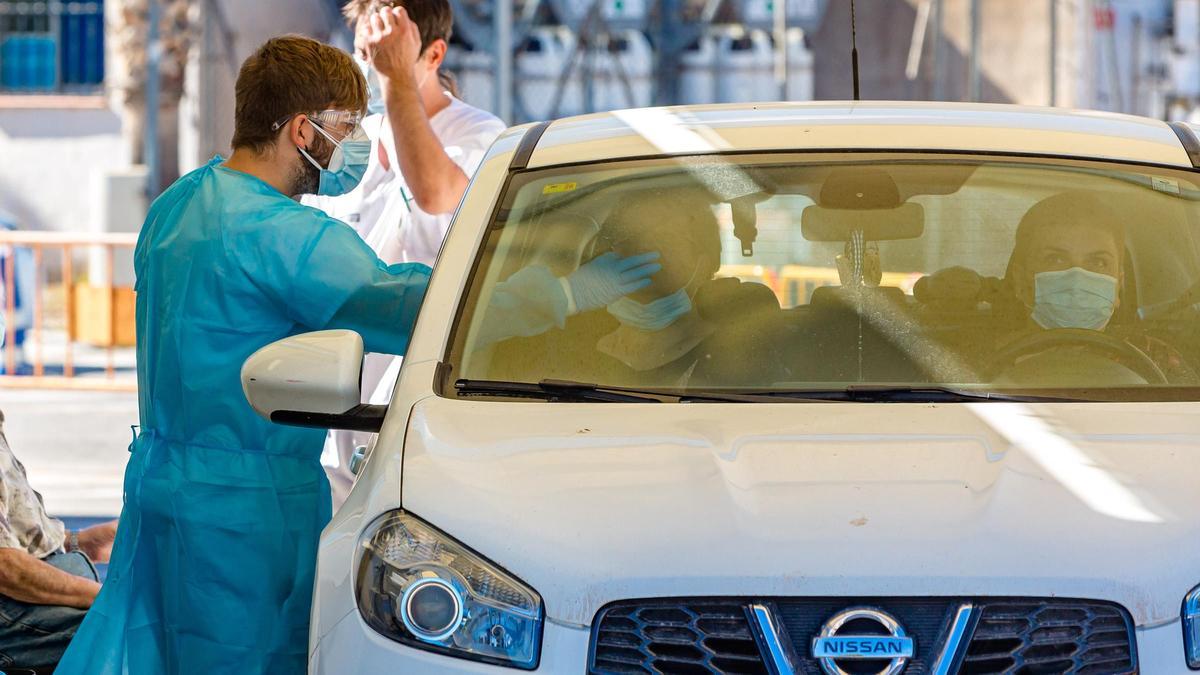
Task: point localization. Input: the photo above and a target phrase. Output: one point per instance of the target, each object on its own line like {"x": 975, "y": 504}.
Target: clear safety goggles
{"x": 345, "y": 122}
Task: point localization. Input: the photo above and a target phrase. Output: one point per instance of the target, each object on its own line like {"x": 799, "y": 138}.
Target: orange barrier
{"x": 794, "y": 284}
{"x": 100, "y": 314}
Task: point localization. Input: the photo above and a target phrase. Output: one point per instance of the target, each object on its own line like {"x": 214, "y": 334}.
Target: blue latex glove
{"x": 609, "y": 278}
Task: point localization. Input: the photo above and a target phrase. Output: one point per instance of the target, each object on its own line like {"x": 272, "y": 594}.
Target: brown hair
{"x": 1068, "y": 208}
{"x": 684, "y": 213}
{"x": 434, "y": 18}
{"x": 290, "y": 75}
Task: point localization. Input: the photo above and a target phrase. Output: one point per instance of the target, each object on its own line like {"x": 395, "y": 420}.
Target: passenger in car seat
{"x": 659, "y": 325}
{"x": 678, "y": 329}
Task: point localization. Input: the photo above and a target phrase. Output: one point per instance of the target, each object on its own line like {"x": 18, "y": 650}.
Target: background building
{"x": 74, "y": 76}
{"x": 104, "y": 102}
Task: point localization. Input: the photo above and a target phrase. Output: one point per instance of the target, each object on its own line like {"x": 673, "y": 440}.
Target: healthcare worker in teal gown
{"x": 212, "y": 570}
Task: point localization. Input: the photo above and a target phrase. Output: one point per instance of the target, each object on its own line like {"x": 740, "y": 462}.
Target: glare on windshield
{"x": 778, "y": 273}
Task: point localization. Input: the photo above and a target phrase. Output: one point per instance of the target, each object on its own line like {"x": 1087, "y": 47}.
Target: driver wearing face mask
{"x": 1067, "y": 265}
{"x": 1068, "y": 270}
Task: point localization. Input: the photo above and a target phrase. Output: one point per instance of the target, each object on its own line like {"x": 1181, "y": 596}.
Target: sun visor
{"x": 906, "y": 221}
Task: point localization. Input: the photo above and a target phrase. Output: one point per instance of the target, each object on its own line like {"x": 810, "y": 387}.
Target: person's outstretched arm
{"x": 24, "y": 578}
{"x": 533, "y": 300}
{"x": 339, "y": 282}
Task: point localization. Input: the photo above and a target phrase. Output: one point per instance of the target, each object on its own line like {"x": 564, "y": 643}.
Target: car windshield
{"x": 856, "y": 275}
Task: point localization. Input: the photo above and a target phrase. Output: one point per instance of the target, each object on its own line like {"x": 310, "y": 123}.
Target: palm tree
{"x": 128, "y": 34}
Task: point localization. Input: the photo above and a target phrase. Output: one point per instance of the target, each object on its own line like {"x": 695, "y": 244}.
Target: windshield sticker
{"x": 1164, "y": 185}
{"x": 558, "y": 188}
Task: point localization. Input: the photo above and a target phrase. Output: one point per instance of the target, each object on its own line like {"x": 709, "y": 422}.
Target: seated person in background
{"x": 47, "y": 581}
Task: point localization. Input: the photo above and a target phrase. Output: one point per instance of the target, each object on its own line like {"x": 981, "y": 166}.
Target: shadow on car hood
{"x": 591, "y": 503}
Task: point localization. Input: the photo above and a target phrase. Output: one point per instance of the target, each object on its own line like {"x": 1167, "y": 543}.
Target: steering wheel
{"x": 1044, "y": 340}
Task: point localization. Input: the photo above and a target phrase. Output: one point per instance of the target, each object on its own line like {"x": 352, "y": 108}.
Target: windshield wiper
{"x": 551, "y": 390}
{"x": 872, "y": 393}
{"x": 567, "y": 390}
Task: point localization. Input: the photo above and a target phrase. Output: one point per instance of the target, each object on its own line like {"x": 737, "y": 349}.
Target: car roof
{"x": 862, "y": 125}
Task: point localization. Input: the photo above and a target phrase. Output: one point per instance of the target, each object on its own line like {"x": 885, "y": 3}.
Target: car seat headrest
{"x": 956, "y": 288}
{"x": 728, "y": 297}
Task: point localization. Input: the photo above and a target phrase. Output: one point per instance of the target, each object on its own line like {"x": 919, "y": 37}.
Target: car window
{"x": 822, "y": 272}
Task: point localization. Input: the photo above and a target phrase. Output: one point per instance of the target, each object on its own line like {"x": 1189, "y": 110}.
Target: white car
{"x": 915, "y": 391}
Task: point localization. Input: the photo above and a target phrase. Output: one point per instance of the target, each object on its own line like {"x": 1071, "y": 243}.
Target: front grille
{"x": 675, "y": 637}
{"x": 1013, "y": 636}
{"x": 1056, "y": 636}
{"x": 926, "y": 619}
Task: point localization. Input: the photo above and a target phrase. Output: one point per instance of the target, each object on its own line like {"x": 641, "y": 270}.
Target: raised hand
{"x": 610, "y": 277}
{"x": 393, "y": 43}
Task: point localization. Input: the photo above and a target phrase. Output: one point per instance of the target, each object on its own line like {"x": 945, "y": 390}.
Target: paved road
{"x": 73, "y": 444}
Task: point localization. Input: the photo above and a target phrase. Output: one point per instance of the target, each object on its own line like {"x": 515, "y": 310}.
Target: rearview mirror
{"x": 311, "y": 380}
{"x": 818, "y": 223}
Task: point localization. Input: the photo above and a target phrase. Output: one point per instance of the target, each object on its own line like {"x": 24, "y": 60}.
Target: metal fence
{"x": 50, "y": 47}
{"x": 109, "y": 307}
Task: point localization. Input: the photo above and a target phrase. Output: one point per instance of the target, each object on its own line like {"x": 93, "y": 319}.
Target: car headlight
{"x": 1191, "y": 628}
{"x": 419, "y": 587}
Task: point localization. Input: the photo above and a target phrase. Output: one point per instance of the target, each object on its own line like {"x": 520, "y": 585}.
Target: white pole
{"x": 154, "y": 58}
{"x": 938, "y": 85}
{"x": 1053, "y": 52}
{"x": 502, "y": 31}
{"x": 973, "y": 85}
{"x": 781, "y": 48}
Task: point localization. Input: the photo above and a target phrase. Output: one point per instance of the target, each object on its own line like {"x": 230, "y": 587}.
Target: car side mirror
{"x": 311, "y": 380}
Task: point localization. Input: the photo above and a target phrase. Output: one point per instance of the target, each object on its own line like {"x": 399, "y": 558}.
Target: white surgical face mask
{"x": 375, "y": 102}
{"x": 1074, "y": 298}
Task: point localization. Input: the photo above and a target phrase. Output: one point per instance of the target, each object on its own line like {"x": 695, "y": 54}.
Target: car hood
{"x": 591, "y": 503}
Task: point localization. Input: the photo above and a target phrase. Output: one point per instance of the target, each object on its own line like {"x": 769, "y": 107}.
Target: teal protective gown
{"x": 212, "y": 570}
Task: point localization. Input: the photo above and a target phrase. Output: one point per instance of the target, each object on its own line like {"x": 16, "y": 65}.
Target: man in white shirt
{"x": 427, "y": 144}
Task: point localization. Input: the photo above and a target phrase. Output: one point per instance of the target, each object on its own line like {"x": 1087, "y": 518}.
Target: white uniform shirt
{"x": 382, "y": 211}
{"x": 381, "y": 208}
{"x": 363, "y": 206}
{"x": 466, "y": 134}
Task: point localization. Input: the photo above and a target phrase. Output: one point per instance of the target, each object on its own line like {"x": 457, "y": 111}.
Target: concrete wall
{"x": 50, "y": 160}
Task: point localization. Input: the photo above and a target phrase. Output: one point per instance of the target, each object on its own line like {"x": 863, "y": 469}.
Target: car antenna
{"x": 854, "y": 51}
